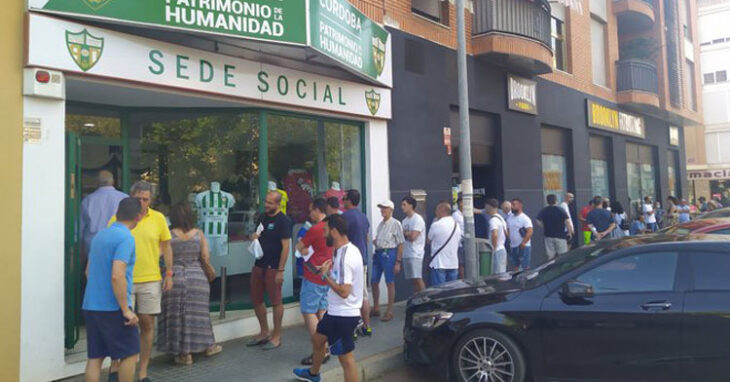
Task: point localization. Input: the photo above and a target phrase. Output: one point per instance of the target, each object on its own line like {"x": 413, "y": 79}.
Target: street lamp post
{"x": 467, "y": 188}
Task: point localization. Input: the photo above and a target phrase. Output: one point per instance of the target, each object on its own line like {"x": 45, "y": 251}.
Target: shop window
{"x": 641, "y": 173}
{"x": 709, "y": 78}
{"x": 555, "y": 151}
{"x": 436, "y": 10}
{"x": 673, "y": 173}
{"x": 104, "y": 126}
{"x": 600, "y": 166}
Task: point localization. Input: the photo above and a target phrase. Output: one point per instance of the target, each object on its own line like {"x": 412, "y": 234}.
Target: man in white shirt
{"x": 497, "y": 237}
{"x": 649, "y": 215}
{"x": 387, "y": 258}
{"x": 343, "y": 304}
{"x": 444, "y": 236}
{"x": 414, "y": 230}
{"x": 458, "y": 216}
{"x": 520, "y": 235}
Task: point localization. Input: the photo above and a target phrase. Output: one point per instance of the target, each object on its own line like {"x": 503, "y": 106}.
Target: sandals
{"x": 185, "y": 360}
{"x": 257, "y": 342}
{"x": 271, "y": 346}
{"x": 213, "y": 350}
{"x": 374, "y": 313}
{"x": 387, "y": 317}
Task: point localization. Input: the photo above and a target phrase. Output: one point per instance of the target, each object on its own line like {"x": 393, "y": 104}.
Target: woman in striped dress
{"x": 184, "y": 325}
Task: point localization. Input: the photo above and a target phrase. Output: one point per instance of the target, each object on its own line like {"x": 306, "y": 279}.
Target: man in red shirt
{"x": 313, "y": 247}
{"x": 587, "y": 233}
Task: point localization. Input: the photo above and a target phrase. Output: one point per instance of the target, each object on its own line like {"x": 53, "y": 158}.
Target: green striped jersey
{"x": 212, "y": 208}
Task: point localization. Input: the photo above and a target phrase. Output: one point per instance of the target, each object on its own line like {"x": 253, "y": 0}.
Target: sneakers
{"x": 305, "y": 375}
{"x": 366, "y": 331}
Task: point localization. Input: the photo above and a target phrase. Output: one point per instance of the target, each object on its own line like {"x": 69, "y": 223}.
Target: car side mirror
{"x": 576, "y": 290}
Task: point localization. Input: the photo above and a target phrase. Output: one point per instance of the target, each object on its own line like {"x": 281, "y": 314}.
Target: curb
{"x": 370, "y": 367}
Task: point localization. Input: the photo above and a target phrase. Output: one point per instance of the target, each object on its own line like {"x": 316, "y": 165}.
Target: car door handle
{"x": 657, "y": 305}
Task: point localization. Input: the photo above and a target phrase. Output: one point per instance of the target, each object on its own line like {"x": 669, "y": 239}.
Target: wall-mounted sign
{"x": 333, "y": 27}
{"x": 606, "y": 118}
{"x": 709, "y": 174}
{"x": 447, "y": 139}
{"x": 73, "y": 47}
{"x": 674, "y": 135}
{"x": 32, "y": 130}
{"x": 522, "y": 94}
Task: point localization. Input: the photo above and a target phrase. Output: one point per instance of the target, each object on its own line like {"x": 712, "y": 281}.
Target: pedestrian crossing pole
{"x": 471, "y": 265}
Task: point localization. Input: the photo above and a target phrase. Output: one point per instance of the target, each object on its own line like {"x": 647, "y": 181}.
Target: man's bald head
{"x": 105, "y": 178}
{"x": 443, "y": 209}
{"x": 272, "y": 206}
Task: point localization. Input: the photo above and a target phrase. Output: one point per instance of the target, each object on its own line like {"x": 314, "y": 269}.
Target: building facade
{"x": 239, "y": 96}
{"x": 589, "y": 97}
{"x": 708, "y": 158}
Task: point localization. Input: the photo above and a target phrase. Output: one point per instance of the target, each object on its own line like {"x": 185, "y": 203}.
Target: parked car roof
{"x": 697, "y": 226}
{"x": 714, "y": 214}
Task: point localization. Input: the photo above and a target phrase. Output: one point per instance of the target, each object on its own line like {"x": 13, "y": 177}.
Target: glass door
{"x": 72, "y": 258}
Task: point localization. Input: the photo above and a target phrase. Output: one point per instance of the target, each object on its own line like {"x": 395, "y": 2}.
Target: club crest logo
{"x": 85, "y": 48}
{"x": 373, "y": 100}
{"x": 96, "y": 4}
{"x": 378, "y": 54}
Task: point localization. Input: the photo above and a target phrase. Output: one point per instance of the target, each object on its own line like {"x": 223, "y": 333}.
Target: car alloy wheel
{"x": 488, "y": 356}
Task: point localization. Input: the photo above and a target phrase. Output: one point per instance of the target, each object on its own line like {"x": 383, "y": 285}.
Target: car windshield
{"x": 676, "y": 230}
{"x": 563, "y": 264}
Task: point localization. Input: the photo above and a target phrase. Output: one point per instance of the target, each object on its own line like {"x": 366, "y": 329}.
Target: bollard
{"x": 222, "y": 314}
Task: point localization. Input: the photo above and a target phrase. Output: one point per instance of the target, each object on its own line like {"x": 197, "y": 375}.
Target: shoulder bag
{"x": 433, "y": 256}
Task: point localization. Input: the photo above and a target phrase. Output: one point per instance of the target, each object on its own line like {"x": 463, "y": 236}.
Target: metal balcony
{"x": 634, "y": 15}
{"x": 637, "y": 83}
{"x": 513, "y": 33}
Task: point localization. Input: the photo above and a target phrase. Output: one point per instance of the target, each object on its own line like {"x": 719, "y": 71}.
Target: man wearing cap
{"x": 388, "y": 257}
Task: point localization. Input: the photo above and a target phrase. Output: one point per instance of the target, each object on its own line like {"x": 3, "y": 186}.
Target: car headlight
{"x": 430, "y": 320}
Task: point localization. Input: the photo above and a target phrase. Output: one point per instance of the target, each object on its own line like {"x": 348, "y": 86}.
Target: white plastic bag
{"x": 255, "y": 246}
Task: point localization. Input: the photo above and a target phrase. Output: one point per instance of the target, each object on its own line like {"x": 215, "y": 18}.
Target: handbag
{"x": 433, "y": 256}
{"x": 207, "y": 267}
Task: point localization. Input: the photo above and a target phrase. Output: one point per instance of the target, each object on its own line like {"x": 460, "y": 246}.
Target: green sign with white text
{"x": 270, "y": 20}
{"x": 339, "y": 30}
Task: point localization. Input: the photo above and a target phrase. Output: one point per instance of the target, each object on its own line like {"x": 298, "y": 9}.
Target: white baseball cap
{"x": 387, "y": 204}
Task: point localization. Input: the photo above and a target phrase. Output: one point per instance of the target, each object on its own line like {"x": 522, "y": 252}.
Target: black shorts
{"x": 107, "y": 336}
{"x": 339, "y": 332}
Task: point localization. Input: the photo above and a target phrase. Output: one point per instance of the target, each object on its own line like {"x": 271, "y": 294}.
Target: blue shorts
{"x": 107, "y": 336}
{"x": 440, "y": 276}
{"x": 384, "y": 262}
{"x": 520, "y": 257}
{"x": 313, "y": 297}
{"x": 339, "y": 332}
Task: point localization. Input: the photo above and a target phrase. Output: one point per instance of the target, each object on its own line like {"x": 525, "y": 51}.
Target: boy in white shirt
{"x": 497, "y": 237}
{"x": 343, "y": 304}
{"x": 414, "y": 230}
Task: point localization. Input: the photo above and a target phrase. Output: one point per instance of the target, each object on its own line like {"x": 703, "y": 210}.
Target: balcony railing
{"x": 526, "y": 18}
{"x": 637, "y": 75}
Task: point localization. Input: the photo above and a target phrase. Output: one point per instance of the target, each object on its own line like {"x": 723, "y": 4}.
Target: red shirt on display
{"x": 315, "y": 238}
{"x": 337, "y": 194}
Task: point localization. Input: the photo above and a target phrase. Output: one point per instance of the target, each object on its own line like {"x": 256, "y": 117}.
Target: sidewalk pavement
{"x": 375, "y": 355}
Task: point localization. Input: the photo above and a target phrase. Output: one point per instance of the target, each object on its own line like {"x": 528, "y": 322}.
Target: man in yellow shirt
{"x": 151, "y": 235}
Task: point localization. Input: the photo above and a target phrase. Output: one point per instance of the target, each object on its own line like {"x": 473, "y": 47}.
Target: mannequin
{"x": 337, "y": 192}
{"x": 212, "y": 207}
{"x": 284, "y": 196}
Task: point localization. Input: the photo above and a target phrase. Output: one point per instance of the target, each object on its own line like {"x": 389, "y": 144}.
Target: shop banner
{"x": 709, "y": 174}
{"x": 606, "y": 118}
{"x": 339, "y": 30}
{"x": 332, "y": 27}
{"x": 79, "y": 48}
{"x": 522, "y": 94}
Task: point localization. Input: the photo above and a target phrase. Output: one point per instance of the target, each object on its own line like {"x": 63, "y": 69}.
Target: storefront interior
{"x": 182, "y": 144}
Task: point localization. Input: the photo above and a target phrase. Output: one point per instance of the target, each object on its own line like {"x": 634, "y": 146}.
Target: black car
{"x": 652, "y": 308}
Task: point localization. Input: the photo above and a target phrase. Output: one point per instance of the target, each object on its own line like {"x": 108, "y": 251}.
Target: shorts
{"x": 339, "y": 332}
{"x": 440, "y": 276}
{"x": 461, "y": 255}
{"x": 555, "y": 246}
{"x": 384, "y": 262}
{"x": 313, "y": 297}
{"x": 499, "y": 262}
{"x": 147, "y": 297}
{"x": 264, "y": 280}
{"x": 413, "y": 268}
{"x": 520, "y": 257}
{"x": 587, "y": 236}
{"x": 107, "y": 336}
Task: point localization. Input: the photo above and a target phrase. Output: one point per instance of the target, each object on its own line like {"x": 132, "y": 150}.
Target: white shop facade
{"x": 187, "y": 110}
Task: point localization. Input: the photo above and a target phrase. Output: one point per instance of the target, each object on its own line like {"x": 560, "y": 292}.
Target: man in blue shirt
{"x": 684, "y": 212}
{"x": 110, "y": 322}
{"x": 638, "y": 227}
{"x": 600, "y": 221}
{"x": 358, "y": 231}
{"x": 98, "y": 207}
